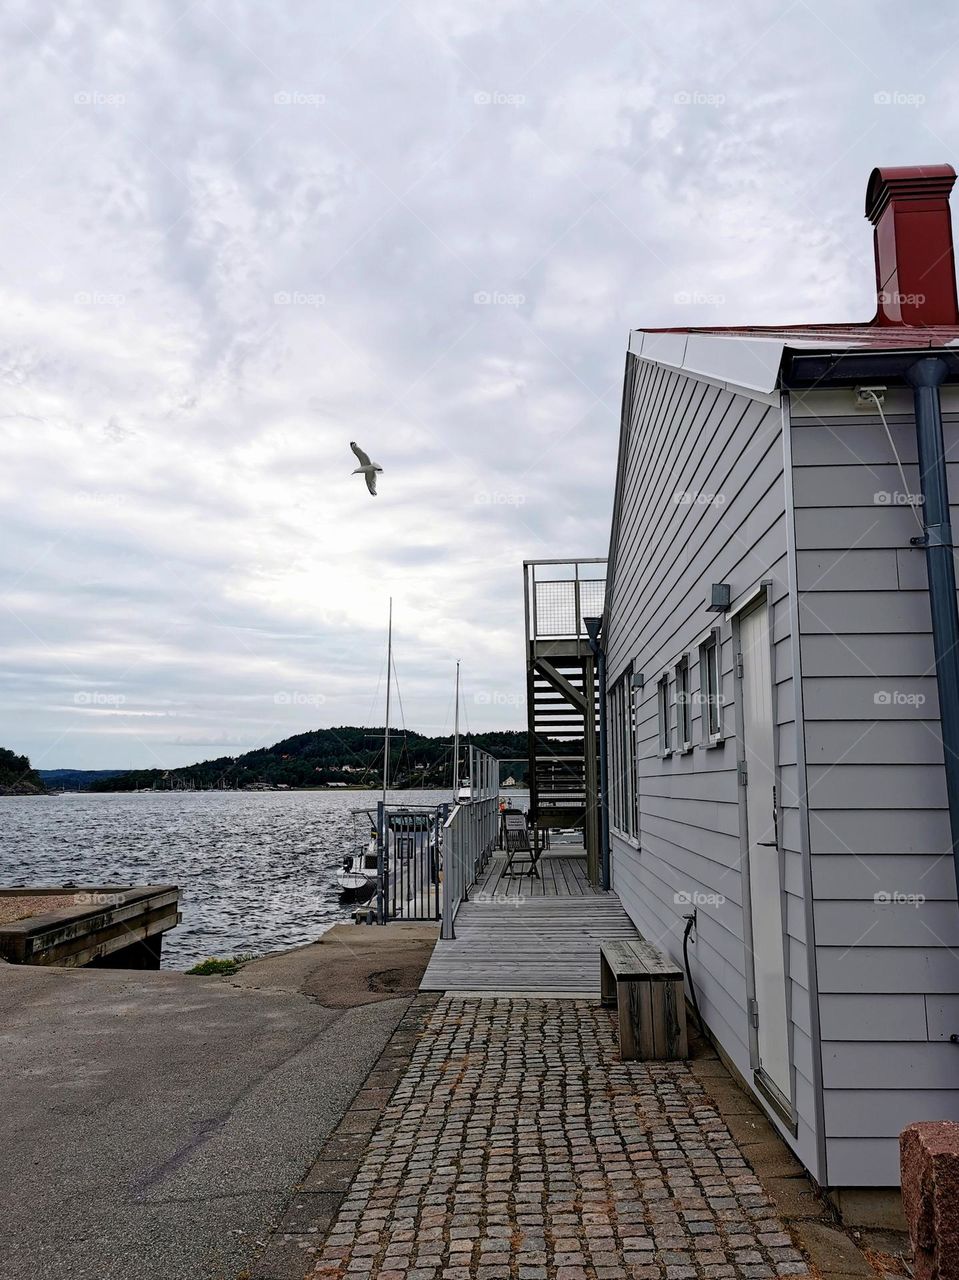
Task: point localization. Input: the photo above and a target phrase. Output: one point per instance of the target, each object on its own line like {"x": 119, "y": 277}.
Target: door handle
{"x": 768, "y": 844}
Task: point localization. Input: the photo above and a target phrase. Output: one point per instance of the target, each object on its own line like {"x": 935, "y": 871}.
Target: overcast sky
{"x": 236, "y": 236}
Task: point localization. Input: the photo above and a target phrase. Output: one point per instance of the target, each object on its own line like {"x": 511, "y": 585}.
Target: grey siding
{"x": 685, "y": 436}
{"x": 887, "y": 965}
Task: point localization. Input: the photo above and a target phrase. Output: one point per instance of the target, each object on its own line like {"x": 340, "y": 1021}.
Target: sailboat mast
{"x": 456, "y": 738}
{"x": 389, "y": 672}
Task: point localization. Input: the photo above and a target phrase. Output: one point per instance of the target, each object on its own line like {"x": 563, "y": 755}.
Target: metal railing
{"x": 469, "y": 836}
{"x": 409, "y": 856}
{"x": 560, "y": 594}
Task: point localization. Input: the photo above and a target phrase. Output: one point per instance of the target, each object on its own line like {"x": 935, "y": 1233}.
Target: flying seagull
{"x": 366, "y": 468}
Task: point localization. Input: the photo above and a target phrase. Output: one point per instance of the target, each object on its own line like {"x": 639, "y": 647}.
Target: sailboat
{"x": 357, "y": 876}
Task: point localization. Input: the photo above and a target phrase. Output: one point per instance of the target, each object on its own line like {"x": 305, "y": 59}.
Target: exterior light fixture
{"x": 721, "y": 596}
{"x": 638, "y": 680}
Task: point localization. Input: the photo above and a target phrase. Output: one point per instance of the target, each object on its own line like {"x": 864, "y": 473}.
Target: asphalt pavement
{"x": 154, "y": 1125}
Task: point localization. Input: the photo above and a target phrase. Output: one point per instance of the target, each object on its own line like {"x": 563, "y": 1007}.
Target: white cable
{"x": 895, "y": 453}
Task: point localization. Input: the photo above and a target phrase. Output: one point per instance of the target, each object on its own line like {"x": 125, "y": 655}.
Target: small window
{"x": 711, "y": 689}
{"x": 665, "y": 718}
{"x": 623, "y": 805}
{"x": 684, "y": 710}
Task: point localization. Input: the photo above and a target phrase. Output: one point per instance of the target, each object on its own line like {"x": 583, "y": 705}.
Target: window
{"x": 711, "y": 689}
{"x": 665, "y": 718}
{"x": 684, "y": 710}
{"x": 622, "y": 757}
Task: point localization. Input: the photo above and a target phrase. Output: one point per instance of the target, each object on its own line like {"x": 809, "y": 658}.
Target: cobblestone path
{"x": 518, "y": 1147}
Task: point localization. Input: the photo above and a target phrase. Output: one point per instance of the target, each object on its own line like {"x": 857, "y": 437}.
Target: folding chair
{"x": 516, "y": 841}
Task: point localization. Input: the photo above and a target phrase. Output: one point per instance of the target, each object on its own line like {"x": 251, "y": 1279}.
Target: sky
{"x": 237, "y": 236}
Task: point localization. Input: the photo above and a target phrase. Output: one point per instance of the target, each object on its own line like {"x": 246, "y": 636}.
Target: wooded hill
{"x": 346, "y": 754}
{"x": 16, "y": 776}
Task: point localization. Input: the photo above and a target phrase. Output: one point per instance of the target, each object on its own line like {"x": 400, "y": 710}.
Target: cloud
{"x": 237, "y": 237}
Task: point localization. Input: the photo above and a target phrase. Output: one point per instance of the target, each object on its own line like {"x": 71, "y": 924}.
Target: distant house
{"x": 780, "y": 636}
{"x": 508, "y": 782}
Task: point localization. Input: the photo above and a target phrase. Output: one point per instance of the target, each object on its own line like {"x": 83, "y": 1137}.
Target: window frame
{"x": 623, "y": 797}
{"x": 710, "y": 673}
{"x": 664, "y": 716}
{"x": 684, "y": 706}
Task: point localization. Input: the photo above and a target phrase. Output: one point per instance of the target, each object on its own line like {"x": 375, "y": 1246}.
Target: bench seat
{"x": 647, "y": 988}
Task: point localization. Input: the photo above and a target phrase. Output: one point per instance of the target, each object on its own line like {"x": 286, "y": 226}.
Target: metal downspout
{"x": 603, "y": 771}
{"x": 925, "y": 377}
{"x": 599, "y": 654}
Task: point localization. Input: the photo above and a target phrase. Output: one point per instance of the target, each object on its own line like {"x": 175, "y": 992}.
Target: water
{"x": 256, "y": 869}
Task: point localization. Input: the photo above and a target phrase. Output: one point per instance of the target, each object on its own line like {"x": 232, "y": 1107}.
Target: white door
{"x": 765, "y": 874}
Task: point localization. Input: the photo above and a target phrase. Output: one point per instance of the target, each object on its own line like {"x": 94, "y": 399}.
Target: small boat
{"x": 357, "y": 876}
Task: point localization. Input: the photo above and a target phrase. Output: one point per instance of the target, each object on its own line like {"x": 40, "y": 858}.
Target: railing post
{"x": 381, "y": 869}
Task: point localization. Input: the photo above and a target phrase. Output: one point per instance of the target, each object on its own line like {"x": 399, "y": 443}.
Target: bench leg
{"x": 629, "y": 999}
{"x": 607, "y": 983}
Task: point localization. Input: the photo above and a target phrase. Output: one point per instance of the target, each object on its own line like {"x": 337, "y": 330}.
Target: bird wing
{"x": 363, "y": 457}
{"x": 371, "y": 482}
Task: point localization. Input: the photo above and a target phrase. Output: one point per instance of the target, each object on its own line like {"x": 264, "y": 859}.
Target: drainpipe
{"x": 592, "y": 630}
{"x": 925, "y": 378}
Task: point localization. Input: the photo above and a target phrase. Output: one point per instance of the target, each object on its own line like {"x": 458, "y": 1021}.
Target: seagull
{"x": 366, "y": 468}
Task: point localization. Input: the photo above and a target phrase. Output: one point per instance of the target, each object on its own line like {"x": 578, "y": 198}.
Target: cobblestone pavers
{"x": 518, "y": 1147}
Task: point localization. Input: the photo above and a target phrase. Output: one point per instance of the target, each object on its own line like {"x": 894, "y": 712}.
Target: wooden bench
{"x": 648, "y": 990}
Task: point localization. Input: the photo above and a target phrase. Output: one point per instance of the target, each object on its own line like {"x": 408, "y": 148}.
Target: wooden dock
{"x": 522, "y": 935}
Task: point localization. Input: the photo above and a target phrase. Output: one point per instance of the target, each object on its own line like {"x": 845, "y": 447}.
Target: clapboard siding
{"x": 884, "y": 890}
{"x": 701, "y": 499}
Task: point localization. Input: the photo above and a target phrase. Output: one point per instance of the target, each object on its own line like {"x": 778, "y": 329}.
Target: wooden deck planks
{"x": 560, "y": 875}
{"x": 544, "y": 942}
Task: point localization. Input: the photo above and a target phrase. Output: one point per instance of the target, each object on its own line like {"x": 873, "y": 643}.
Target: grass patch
{"x": 222, "y": 967}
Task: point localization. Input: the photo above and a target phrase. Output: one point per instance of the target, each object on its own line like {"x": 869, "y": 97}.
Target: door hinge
{"x": 753, "y": 1008}
{"x": 741, "y": 773}
{"x": 739, "y": 666}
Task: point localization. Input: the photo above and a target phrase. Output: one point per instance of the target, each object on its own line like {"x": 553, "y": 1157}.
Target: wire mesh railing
{"x": 560, "y": 595}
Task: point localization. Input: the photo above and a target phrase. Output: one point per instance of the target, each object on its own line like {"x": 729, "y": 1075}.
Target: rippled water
{"x": 256, "y": 869}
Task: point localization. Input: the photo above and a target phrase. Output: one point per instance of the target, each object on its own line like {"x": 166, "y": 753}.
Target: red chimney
{"x": 915, "y": 267}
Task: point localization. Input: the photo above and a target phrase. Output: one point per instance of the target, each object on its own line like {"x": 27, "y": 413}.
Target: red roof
{"x": 877, "y": 337}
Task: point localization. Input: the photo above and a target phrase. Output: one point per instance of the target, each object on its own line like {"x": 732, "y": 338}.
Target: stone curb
{"x": 291, "y": 1250}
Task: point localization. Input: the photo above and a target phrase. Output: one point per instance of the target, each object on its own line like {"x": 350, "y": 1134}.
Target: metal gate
{"x": 409, "y": 861}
